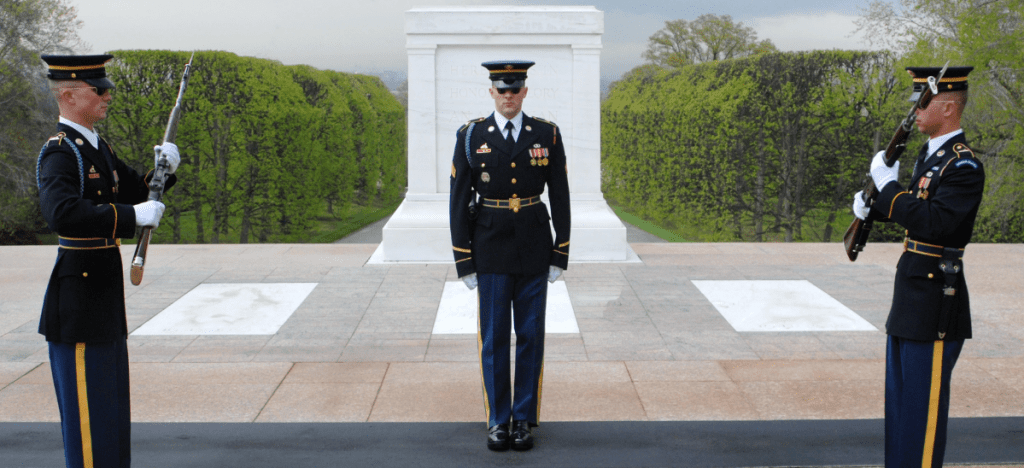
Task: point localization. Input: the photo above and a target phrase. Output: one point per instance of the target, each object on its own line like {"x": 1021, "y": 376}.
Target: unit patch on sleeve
{"x": 966, "y": 162}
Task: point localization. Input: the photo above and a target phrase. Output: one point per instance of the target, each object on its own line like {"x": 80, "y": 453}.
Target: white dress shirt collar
{"x": 935, "y": 143}
{"x": 517, "y": 124}
{"x": 91, "y": 136}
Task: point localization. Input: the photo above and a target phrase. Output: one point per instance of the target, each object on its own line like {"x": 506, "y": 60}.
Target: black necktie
{"x": 508, "y": 139}
{"x": 921, "y": 156}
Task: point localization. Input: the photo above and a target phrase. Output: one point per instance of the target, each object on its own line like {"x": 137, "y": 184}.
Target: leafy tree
{"x": 705, "y": 39}
{"x": 28, "y": 28}
{"x": 760, "y": 148}
{"x": 986, "y": 34}
{"x": 266, "y": 148}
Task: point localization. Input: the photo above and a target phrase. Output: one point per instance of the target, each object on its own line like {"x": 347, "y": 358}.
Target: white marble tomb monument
{"x": 448, "y": 87}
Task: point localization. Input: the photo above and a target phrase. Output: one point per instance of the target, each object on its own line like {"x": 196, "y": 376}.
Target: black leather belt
{"x": 513, "y": 204}
{"x": 922, "y": 248}
{"x": 89, "y": 243}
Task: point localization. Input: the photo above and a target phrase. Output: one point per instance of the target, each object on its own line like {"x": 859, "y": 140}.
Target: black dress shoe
{"x": 497, "y": 438}
{"x": 522, "y": 438}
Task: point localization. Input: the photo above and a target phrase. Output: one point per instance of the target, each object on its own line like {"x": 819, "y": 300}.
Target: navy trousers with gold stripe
{"x": 499, "y": 295}
{"x": 92, "y": 393}
{"x": 917, "y": 400}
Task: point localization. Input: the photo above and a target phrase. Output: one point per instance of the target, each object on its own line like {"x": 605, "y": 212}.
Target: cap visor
{"x": 102, "y": 83}
{"x": 499, "y": 84}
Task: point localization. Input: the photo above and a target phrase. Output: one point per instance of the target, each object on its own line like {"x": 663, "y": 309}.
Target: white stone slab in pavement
{"x": 229, "y": 309}
{"x": 780, "y": 306}
{"x": 457, "y": 312}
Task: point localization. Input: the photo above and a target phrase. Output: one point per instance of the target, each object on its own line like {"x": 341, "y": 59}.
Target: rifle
{"x": 156, "y": 184}
{"x": 857, "y": 235}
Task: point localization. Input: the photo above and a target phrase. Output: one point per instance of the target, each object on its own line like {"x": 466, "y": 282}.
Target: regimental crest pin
{"x": 529, "y": 128}
{"x": 79, "y": 142}
{"x": 940, "y": 153}
{"x": 536, "y": 145}
{"x": 483, "y": 149}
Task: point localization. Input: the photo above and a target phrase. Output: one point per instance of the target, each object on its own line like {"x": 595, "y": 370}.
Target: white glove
{"x": 171, "y": 151}
{"x": 470, "y": 280}
{"x": 860, "y": 210}
{"x": 554, "y": 273}
{"x": 148, "y": 213}
{"x": 882, "y": 174}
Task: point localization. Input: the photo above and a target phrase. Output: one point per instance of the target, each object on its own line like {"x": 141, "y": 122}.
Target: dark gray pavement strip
{"x": 559, "y": 444}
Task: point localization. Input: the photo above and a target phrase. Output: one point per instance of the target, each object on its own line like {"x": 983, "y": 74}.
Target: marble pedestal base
{"x": 418, "y": 232}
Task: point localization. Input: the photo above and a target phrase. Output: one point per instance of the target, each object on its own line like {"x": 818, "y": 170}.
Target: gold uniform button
{"x": 513, "y": 181}
{"x": 931, "y": 275}
{"x": 515, "y": 196}
{"x": 85, "y": 274}
{"x": 99, "y": 192}
{"x": 513, "y": 165}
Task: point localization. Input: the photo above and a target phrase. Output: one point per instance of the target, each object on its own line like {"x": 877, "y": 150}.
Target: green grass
{"x": 327, "y": 228}
{"x": 648, "y": 226}
{"x": 678, "y": 229}
{"x": 358, "y": 217}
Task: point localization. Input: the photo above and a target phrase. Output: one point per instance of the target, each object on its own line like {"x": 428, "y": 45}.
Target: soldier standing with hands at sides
{"x": 91, "y": 199}
{"x": 930, "y": 316}
{"x": 502, "y": 242}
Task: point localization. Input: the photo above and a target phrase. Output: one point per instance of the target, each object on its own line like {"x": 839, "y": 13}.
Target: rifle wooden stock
{"x": 156, "y": 184}
{"x": 857, "y": 234}
{"x": 139, "y": 259}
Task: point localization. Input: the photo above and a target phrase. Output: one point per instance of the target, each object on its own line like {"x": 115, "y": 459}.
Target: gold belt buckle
{"x": 513, "y": 203}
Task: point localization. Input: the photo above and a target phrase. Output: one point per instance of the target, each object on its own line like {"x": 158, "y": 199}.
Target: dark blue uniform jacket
{"x": 500, "y": 240}
{"x": 84, "y": 300}
{"x": 939, "y": 209}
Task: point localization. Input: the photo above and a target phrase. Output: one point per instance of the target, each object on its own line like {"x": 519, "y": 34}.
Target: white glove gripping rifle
{"x": 156, "y": 184}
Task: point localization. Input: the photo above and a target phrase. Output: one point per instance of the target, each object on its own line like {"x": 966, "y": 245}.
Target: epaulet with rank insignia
{"x": 59, "y": 138}
{"x": 963, "y": 150}
{"x": 545, "y": 121}
{"x": 964, "y": 157}
{"x": 467, "y": 124}
{"x": 552, "y": 124}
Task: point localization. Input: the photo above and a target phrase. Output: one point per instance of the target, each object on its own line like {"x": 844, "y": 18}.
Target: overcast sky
{"x": 367, "y": 36}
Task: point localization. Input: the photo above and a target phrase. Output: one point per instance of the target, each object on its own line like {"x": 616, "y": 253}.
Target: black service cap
{"x": 88, "y": 68}
{"x": 508, "y": 73}
{"x": 955, "y": 79}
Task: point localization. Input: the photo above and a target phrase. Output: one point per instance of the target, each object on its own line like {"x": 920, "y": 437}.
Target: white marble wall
{"x": 447, "y": 87}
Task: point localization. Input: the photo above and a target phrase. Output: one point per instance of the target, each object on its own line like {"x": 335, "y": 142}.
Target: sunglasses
{"x": 98, "y": 91}
{"x": 513, "y": 90}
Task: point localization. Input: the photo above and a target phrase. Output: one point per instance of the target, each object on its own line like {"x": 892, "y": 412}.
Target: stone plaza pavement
{"x": 651, "y": 347}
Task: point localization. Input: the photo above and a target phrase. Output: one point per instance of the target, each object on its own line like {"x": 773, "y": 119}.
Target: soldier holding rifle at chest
{"x": 501, "y": 238}
{"x": 930, "y": 316}
{"x": 91, "y": 199}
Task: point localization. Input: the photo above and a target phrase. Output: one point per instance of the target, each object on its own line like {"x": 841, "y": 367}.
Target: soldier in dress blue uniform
{"x": 91, "y": 199}
{"x": 930, "y": 316}
{"x": 501, "y": 237}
